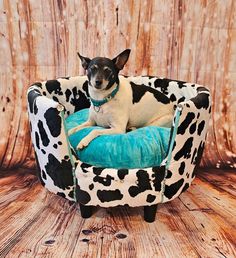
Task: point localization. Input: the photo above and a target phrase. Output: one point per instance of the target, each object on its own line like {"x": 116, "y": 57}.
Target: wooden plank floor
{"x": 36, "y": 223}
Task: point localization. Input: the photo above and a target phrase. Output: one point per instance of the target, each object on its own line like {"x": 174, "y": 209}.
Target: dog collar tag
{"x": 96, "y": 108}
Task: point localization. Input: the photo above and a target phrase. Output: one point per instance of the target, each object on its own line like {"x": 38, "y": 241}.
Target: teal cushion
{"x": 141, "y": 148}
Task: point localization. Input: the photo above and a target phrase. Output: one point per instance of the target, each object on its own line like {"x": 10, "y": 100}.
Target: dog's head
{"x": 103, "y": 72}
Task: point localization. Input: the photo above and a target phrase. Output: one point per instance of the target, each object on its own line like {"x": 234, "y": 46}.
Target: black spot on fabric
{"x": 181, "y": 100}
{"x": 143, "y": 184}
{"x": 44, "y": 93}
{"x": 174, "y": 145}
{"x": 181, "y": 168}
{"x": 209, "y": 110}
{"x": 198, "y": 115}
{"x": 169, "y": 174}
{"x": 82, "y": 196}
{"x": 43, "y": 134}
{"x": 193, "y": 160}
{"x": 172, "y": 97}
{"x": 44, "y": 176}
{"x": 65, "y": 77}
{"x": 60, "y": 172}
{"x": 200, "y": 127}
{"x": 32, "y": 95}
{"x": 181, "y": 84}
{"x": 106, "y": 181}
{"x": 199, "y": 153}
{"x": 171, "y": 190}
{"x": 159, "y": 174}
{"x": 59, "y": 143}
{"x": 71, "y": 194}
{"x": 68, "y": 93}
{"x": 151, "y": 198}
{"x": 109, "y": 195}
{"x": 55, "y": 146}
{"x": 38, "y": 84}
{"x": 66, "y": 157}
{"x": 43, "y": 151}
{"x": 186, "y": 186}
{"x": 61, "y": 195}
{"x": 39, "y": 170}
{"x": 187, "y": 121}
{"x": 163, "y": 84}
{"x": 55, "y": 98}
{"x": 97, "y": 171}
{"x": 53, "y": 121}
{"x": 187, "y": 105}
{"x": 201, "y": 100}
{"x": 150, "y": 77}
{"x": 35, "y": 108}
{"x": 140, "y": 90}
{"x": 79, "y": 100}
{"x": 185, "y": 151}
{"x": 192, "y": 128}
{"x": 199, "y": 89}
{"x": 84, "y": 167}
{"x": 91, "y": 186}
{"x": 150, "y": 84}
{"x": 122, "y": 173}
{"x": 37, "y": 140}
{"x": 85, "y": 88}
{"x": 54, "y": 86}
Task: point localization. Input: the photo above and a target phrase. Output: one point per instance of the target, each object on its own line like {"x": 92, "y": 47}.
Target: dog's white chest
{"x": 100, "y": 115}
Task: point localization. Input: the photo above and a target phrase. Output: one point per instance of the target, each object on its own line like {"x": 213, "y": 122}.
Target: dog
{"x": 117, "y": 104}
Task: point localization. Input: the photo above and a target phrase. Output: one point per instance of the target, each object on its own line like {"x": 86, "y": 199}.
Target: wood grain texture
{"x": 187, "y": 40}
{"x": 36, "y": 223}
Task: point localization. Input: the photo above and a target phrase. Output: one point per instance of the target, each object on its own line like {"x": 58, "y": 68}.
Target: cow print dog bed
{"x": 61, "y": 172}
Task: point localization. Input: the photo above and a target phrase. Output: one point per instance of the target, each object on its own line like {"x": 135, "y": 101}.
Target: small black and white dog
{"x": 112, "y": 100}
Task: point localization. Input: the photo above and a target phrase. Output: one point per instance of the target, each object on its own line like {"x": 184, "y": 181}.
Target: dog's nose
{"x": 98, "y": 83}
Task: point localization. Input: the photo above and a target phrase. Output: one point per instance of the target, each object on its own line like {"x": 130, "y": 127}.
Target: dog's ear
{"x": 121, "y": 59}
{"x": 85, "y": 61}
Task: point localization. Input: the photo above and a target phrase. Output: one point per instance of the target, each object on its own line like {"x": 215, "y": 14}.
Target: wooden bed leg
{"x": 150, "y": 213}
{"x": 86, "y": 211}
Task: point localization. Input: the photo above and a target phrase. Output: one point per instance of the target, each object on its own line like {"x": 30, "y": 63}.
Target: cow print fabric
{"x": 111, "y": 187}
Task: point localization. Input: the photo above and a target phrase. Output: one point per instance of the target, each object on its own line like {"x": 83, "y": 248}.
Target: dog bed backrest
{"x": 72, "y": 92}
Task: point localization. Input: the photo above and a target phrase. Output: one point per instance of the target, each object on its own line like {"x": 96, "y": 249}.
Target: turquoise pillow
{"x": 141, "y": 148}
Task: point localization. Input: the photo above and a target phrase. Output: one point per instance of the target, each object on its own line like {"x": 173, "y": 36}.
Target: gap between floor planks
{"x": 36, "y": 223}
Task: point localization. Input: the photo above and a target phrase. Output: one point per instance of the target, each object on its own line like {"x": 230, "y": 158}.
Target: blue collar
{"x": 98, "y": 103}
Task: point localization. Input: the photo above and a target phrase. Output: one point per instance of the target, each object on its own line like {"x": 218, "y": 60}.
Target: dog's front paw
{"x": 72, "y": 131}
{"x": 83, "y": 143}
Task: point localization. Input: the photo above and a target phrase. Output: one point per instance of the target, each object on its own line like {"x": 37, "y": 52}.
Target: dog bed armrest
{"x": 188, "y": 146}
{"x": 53, "y": 153}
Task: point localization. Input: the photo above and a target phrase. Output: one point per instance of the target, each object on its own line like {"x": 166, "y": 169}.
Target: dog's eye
{"x": 107, "y": 72}
{"x": 93, "y": 69}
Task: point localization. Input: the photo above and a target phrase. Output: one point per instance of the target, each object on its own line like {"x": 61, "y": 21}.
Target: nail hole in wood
{"x": 49, "y": 242}
{"x": 85, "y": 240}
{"x": 121, "y": 236}
{"x": 87, "y": 231}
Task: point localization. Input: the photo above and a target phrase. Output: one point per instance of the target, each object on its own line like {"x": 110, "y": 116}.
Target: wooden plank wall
{"x": 187, "y": 40}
